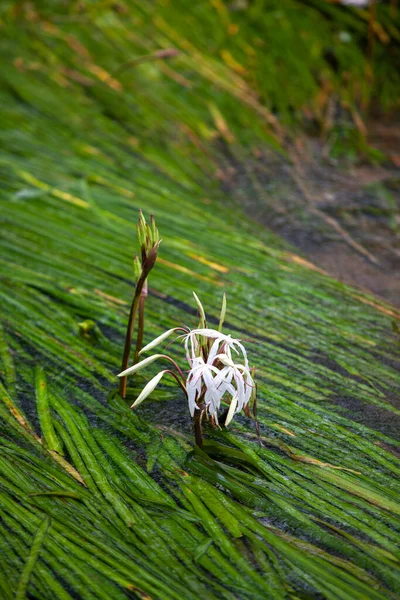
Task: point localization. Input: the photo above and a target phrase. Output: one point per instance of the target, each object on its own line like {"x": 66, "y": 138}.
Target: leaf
{"x": 50, "y": 437}
{"x": 32, "y": 559}
{"x": 202, "y": 549}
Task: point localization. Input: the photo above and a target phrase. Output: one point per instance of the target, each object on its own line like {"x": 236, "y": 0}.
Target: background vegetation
{"x": 98, "y": 501}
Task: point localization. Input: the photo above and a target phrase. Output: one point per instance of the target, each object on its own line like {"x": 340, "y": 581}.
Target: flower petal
{"x": 249, "y": 388}
{"x": 140, "y": 365}
{"x": 239, "y": 381}
{"x": 242, "y": 348}
{"x": 193, "y": 389}
{"x": 213, "y": 351}
{"x": 148, "y": 388}
{"x": 231, "y": 411}
{"x": 211, "y": 333}
{"x": 158, "y": 340}
{"x": 225, "y": 360}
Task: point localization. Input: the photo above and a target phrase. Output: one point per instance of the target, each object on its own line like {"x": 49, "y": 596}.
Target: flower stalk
{"x": 149, "y": 242}
{"x": 198, "y": 428}
{"x": 139, "y": 339}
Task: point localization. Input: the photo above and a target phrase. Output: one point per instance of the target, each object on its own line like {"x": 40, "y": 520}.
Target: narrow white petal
{"x": 231, "y": 411}
{"x": 213, "y": 411}
{"x": 211, "y": 400}
{"x": 157, "y": 340}
{"x": 213, "y": 351}
{"x": 197, "y": 363}
{"x": 192, "y": 390}
{"x": 194, "y": 347}
{"x": 148, "y": 388}
{"x": 225, "y": 360}
{"x": 211, "y": 333}
{"x": 223, "y": 385}
{"x": 186, "y": 343}
{"x": 224, "y": 376}
{"x": 207, "y": 374}
{"x": 249, "y": 388}
{"x": 194, "y": 383}
{"x": 242, "y": 348}
{"x": 240, "y": 389}
{"x": 228, "y": 387}
{"x": 140, "y": 365}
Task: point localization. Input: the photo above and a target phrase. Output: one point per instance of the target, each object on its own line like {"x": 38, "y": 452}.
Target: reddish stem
{"x": 139, "y": 339}
{"x": 129, "y": 332}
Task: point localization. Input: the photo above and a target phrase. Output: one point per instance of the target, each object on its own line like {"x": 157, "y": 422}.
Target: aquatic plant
{"x": 213, "y": 375}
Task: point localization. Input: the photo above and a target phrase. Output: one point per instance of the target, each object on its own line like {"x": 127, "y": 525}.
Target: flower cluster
{"x": 216, "y": 376}
{"x": 218, "y": 370}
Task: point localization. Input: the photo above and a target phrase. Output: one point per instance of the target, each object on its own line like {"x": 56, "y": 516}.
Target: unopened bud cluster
{"x": 149, "y": 241}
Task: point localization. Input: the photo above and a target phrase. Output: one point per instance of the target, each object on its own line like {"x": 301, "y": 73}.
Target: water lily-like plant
{"x": 218, "y": 373}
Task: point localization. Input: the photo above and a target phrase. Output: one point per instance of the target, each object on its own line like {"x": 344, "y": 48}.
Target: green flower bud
{"x": 137, "y": 267}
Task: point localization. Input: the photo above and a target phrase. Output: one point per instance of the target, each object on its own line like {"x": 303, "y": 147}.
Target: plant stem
{"x": 253, "y": 372}
{"x": 177, "y": 367}
{"x": 181, "y": 383}
{"x": 198, "y": 432}
{"x": 129, "y": 332}
{"x": 139, "y": 339}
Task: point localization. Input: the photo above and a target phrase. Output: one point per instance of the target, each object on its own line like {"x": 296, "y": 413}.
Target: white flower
{"x": 201, "y": 374}
{"x": 219, "y": 369}
{"x": 234, "y": 379}
{"x": 222, "y": 344}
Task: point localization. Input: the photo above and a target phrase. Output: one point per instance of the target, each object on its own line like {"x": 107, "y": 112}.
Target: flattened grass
{"x": 135, "y": 511}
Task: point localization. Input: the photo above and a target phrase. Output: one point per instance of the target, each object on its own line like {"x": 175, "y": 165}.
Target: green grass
{"x": 110, "y": 503}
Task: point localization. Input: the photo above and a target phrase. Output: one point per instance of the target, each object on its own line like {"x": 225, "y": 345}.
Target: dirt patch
{"x": 343, "y": 218}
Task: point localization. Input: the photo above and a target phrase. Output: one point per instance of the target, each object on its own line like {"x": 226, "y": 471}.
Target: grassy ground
{"x": 110, "y": 503}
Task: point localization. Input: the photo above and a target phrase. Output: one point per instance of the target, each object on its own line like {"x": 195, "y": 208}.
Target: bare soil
{"x": 345, "y": 218}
